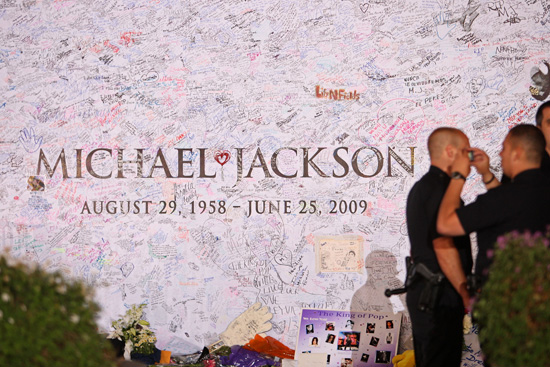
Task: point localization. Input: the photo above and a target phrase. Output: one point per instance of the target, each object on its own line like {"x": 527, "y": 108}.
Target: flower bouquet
{"x": 134, "y": 332}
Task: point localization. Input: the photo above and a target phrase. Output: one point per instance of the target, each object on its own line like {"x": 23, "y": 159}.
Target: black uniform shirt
{"x": 523, "y": 204}
{"x": 544, "y": 167}
{"x": 545, "y": 163}
{"x": 422, "y": 208}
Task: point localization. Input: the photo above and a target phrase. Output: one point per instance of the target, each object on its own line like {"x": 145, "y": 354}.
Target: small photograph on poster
{"x": 347, "y": 362}
{"x": 349, "y": 324}
{"x": 349, "y": 338}
{"x": 315, "y": 341}
{"x": 374, "y": 341}
{"x": 382, "y": 356}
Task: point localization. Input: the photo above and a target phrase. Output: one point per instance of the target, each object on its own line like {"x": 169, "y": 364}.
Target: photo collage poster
{"x": 349, "y": 338}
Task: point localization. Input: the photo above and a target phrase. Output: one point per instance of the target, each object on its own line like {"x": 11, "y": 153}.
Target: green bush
{"x": 46, "y": 320}
{"x": 513, "y": 311}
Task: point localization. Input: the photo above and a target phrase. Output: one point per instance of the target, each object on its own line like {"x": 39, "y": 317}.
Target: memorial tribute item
{"x": 363, "y": 339}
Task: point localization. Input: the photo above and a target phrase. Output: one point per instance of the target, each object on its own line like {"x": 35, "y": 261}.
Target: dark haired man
{"x": 542, "y": 119}
{"x": 438, "y": 335}
{"x": 523, "y": 204}
{"x": 543, "y": 123}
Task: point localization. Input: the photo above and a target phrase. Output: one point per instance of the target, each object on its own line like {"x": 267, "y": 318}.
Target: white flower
{"x": 115, "y": 334}
{"x": 10, "y": 320}
{"x": 32, "y": 267}
{"x": 75, "y": 318}
{"x": 467, "y": 324}
{"x": 5, "y": 297}
{"x": 10, "y": 260}
{"x": 1, "y": 314}
{"x": 61, "y": 289}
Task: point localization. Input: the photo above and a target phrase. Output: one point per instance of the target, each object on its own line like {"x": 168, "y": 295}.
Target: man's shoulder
{"x": 426, "y": 183}
{"x": 513, "y": 194}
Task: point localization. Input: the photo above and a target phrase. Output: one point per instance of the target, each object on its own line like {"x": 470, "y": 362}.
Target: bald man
{"x": 523, "y": 204}
{"x": 438, "y": 335}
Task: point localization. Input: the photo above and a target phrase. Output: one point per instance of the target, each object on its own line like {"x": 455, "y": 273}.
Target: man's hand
{"x": 462, "y": 163}
{"x": 481, "y": 163}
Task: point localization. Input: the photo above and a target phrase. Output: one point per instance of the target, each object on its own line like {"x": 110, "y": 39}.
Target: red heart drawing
{"x": 222, "y": 156}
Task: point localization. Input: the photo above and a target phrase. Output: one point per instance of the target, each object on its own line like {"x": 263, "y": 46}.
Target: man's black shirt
{"x": 544, "y": 167}
{"x": 422, "y": 208}
{"x": 545, "y": 164}
{"x": 523, "y": 204}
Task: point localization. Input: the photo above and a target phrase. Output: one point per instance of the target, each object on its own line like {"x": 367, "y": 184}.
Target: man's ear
{"x": 517, "y": 153}
{"x": 450, "y": 151}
